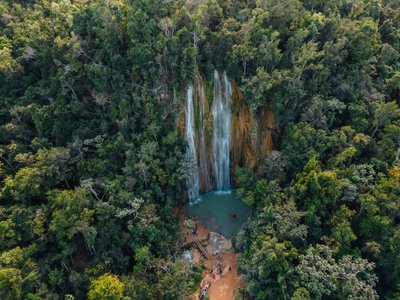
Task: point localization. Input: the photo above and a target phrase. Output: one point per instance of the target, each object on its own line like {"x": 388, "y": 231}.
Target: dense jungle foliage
{"x": 92, "y": 163}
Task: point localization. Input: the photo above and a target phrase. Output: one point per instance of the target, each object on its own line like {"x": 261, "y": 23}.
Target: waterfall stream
{"x": 203, "y": 157}
{"x": 208, "y": 148}
{"x": 221, "y": 113}
{"x": 191, "y": 154}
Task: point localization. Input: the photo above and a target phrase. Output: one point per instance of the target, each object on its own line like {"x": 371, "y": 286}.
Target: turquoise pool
{"x": 222, "y": 212}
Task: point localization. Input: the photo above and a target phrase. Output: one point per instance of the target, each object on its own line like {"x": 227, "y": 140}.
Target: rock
{"x": 218, "y": 244}
{"x": 187, "y": 256}
{"x": 196, "y": 256}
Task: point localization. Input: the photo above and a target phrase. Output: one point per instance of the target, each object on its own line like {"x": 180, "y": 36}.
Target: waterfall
{"x": 205, "y": 181}
{"x": 221, "y": 114}
{"x": 191, "y": 154}
{"x": 208, "y": 134}
{"x": 217, "y": 137}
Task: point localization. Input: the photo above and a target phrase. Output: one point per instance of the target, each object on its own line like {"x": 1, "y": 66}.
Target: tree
{"x": 342, "y": 232}
{"x": 384, "y": 114}
{"x": 44, "y": 169}
{"x": 301, "y": 294}
{"x": 301, "y": 143}
{"x": 318, "y": 192}
{"x": 92, "y": 162}
{"x": 266, "y": 267}
{"x": 10, "y": 283}
{"x": 106, "y": 287}
{"x": 273, "y": 166}
{"x": 71, "y": 215}
{"x": 346, "y": 278}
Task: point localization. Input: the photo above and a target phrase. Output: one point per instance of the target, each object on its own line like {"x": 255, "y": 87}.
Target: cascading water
{"x": 221, "y": 113}
{"x": 191, "y": 154}
{"x": 217, "y": 137}
{"x": 203, "y": 157}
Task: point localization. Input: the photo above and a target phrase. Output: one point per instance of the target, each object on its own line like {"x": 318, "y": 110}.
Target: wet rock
{"x": 196, "y": 256}
{"x": 217, "y": 243}
{"x": 187, "y": 256}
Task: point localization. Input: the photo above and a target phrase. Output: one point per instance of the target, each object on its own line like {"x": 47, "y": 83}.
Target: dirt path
{"x": 222, "y": 286}
{"x": 187, "y": 233}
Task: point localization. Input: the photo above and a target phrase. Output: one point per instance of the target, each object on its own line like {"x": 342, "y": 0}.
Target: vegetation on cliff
{"x": 92, "y": 162}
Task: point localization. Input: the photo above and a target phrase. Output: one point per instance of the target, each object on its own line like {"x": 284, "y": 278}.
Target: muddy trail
{"x": 220, "y": 277}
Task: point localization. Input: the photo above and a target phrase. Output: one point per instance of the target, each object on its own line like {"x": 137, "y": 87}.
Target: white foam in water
{"x": 223, "y": 192}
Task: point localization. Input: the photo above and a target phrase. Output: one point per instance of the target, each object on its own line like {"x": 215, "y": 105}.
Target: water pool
{"x": 222, "y": 212}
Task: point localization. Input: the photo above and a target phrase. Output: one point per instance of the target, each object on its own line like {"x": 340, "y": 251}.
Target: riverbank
{"x": 220, "y": 251}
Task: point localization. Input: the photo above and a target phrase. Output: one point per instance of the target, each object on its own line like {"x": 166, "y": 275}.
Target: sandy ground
{"x": 188, "y": 237}
{"x": 222, "y": 286}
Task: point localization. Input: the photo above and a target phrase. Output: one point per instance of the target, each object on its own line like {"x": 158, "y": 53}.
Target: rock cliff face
{"x": 252, "y": 132}
{"x": 226, "y": 131}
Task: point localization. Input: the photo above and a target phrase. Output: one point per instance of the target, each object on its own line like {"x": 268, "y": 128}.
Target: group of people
{"x": 194, "y": 229}
{"x": 219, "y": 269}
{"x": 218, "y": 266}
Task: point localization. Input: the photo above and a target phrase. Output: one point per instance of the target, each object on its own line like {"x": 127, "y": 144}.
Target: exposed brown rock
{"x": 251, "y": 136}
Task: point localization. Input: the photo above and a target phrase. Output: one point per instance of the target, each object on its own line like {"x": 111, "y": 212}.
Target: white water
{"x": 221, "y": 112}
{"x": 203, "y": 160}
{"x": 191, "y": 154}
{"x": 197, "y": 152}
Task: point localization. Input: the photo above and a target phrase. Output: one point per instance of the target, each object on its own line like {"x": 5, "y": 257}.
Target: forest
{"x": 93, "y": 164}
